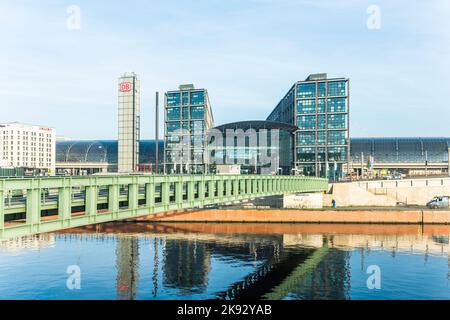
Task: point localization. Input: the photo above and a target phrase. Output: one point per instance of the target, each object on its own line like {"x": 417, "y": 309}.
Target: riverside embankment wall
{"x": 305, "y": 216}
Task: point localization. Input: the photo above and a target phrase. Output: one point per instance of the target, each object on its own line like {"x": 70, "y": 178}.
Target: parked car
{"x": 439, "y": 202}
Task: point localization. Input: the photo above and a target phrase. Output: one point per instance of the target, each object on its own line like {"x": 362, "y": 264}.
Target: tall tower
{"x": 129, "y": 122}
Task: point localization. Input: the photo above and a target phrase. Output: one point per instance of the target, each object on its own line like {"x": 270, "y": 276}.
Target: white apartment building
{"x": 27, "y": 146}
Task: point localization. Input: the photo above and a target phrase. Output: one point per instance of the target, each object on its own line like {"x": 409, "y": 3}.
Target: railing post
{"x": 33, "y": 206}
{"x": 201, "y": 190}
{"x": 91, "y": 200}
{"x": 64, "y": 202}
{"x": 150, "y": 195}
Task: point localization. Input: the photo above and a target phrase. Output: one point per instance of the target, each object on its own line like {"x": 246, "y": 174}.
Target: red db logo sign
{"x": 125, "y": 86}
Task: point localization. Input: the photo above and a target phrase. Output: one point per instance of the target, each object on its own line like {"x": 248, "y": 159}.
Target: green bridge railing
{"x": 37, "y": 205}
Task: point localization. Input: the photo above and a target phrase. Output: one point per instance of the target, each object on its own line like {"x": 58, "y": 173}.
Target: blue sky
{"x": 247, "y": 53}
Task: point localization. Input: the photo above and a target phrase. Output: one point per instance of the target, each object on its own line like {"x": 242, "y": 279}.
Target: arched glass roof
{"x": 103, "y": 151}
{"x": 400, "y": 149}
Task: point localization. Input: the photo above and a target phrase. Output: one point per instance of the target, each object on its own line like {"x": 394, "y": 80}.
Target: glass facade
{"x": 188, "y": 116}
{"x": 129, "y": 122}
{"x": 259, "y": 147}
{"x": 320, "y": 108}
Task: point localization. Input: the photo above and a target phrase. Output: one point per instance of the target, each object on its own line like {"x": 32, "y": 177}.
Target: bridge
{"x": 37, "y": 205}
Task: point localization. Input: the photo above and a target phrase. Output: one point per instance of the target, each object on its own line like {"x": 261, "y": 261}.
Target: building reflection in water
{"x": 283, "y": 266}
{"x": 186, "y": 265}
{"x": 127, "y": 264}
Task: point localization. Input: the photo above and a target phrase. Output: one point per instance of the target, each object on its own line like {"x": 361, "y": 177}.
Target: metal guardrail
{"x": 145, "y": 194}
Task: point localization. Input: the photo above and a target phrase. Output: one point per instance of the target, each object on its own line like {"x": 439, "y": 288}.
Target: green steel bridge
{"x": 36, "y": 205}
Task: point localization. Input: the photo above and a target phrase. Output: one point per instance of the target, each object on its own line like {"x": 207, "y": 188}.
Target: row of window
{"x": 332, "y": 121}
{"x": 174, "y": 113}
{"x": 311, "y": 154}
{"x": 185, "y": 98}
{"x": 308, "y": 138}
{"x": 331, "y": 105}
{"x": 322, "y": 89}
{"x": 187, "y": 126}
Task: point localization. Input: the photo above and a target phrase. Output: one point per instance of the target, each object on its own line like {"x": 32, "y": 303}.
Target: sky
{"x": 247, "y": 53}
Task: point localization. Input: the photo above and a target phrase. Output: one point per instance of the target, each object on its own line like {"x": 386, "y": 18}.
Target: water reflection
{"x": 232, "y": 261}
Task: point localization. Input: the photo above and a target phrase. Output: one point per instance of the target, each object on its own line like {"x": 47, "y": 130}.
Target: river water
{"x": 229, "y": 261}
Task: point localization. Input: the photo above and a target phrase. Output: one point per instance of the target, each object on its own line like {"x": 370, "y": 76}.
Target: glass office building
{"x": 188, "y": 116}
{"x": 319, "y": 107}
{"x": 129, "y": 122}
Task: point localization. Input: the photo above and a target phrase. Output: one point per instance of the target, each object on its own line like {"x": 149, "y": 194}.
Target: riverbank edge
{"x": 382, "y": 216}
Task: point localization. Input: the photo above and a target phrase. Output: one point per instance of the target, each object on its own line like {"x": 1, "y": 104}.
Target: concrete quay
{"x": 354, "y": 216}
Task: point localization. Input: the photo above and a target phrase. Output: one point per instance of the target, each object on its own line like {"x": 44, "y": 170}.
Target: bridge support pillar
{"x": 236, "y": 191}
{"x": 201, "y": 190}
{"x": 150, "y": 196}
{"x": 211, "y": 189}
{"x": 228, "y": 188}
{"x": 179, "y": 193}
{"x": 220, "y": 189}
{"x": 91, "y": 200}
{"x": 113, "y": 198}
{"x": 133, "y": 190}
{"x": 65, "y": 203}
{"x": 165, "y": 188}
{"x": 33, "y": 215}
{"x": 191, "y": 192}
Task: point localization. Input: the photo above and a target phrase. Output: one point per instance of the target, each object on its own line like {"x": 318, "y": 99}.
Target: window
{"x": 321, "y": 105}
{"x": 321, "y": 137}
{"x": 337, "y": 105}
{"x": 306, "y": 90}
{"x": 337, "y": 121}
{"x": 321, "y": 89}
{"x": 197, "y": 97}
{"x": 197, "y": 112}
{"x": 337, "y": 88}
{"x": 173, "y": 126}
{"x": 306, "y": 154}
{"x": 337, "y": 154}
{"x": 306, "y": 138}
{"x": 185, "y": 98}
{"x": 306, "y": 122}
{"x": 306, "y": 106}
{"x": 173, "y": 99}
{"x": 173, "y": 113}
{"x": 336, "y": 137}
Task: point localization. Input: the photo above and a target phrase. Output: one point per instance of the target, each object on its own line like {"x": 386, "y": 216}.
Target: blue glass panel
{"x": 306, "y": 106}
{"x": 321, "y": 105}
{"x": 321, "y": 89}
{"x": 173, "y": 99}
{"x": 197, "y": 97}
{"x": 173, "y": 113}
{"x": 337, "y": 88}
{"x": 306, "y": 90}
{"x": 306, "y": 122}
{"x": 197, "y": 112}
{"x": 337, "y": 137}
{"x": 306, "y": 138}
{"x": 337, "y": 105}
{"x": 337, "y": 121}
